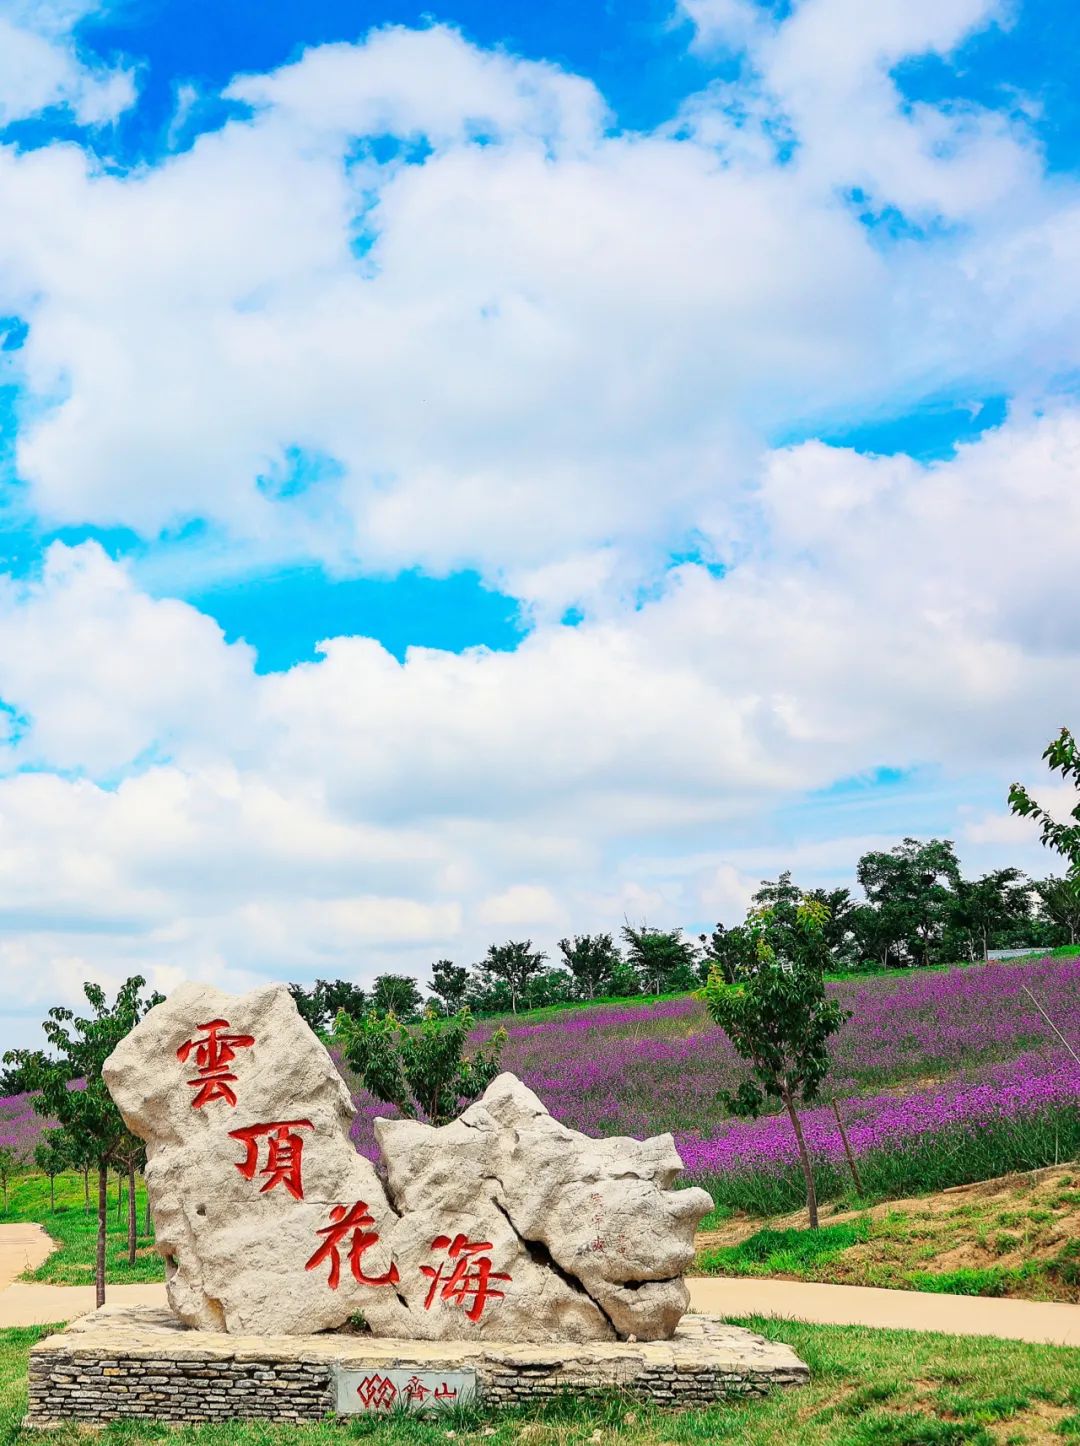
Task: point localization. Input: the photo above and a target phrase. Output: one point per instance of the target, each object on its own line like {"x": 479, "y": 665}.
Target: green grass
{"x": 74, "y": 1228}
{"x": 902, "y": 1245}
{"x": 784, "y": 1252}
{"x": 868, "y": 1388}
{"x": 551, "y": 1011}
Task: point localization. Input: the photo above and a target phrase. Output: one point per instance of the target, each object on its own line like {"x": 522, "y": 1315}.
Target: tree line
{"x": 917, "y": 909}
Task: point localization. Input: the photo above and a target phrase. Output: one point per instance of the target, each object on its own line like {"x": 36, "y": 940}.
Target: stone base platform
{"x": 135, "y": 1362}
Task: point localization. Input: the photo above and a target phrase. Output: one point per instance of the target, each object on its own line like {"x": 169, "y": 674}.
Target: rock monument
{"x": 503, "y": 1225}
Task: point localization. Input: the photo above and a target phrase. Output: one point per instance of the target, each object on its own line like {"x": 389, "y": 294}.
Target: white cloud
{"x": 537, "y": 345}
{"x": 559, "y": 349}
{"x": 40, "y": 67}
{"x": 359, "y": 813}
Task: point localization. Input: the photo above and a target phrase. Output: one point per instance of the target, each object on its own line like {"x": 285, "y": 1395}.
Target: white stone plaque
{"x": 387, "y": 1389}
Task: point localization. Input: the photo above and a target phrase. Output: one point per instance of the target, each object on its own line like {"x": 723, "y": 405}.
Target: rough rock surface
{"x": 503, "y": 1225}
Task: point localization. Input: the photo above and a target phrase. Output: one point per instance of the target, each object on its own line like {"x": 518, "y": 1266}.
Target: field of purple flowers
{"x": 20, "y": 1126}
{"x": 943, "y": 1077}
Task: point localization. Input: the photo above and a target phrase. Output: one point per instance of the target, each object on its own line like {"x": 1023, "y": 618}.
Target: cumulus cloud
{"x": 358, "y": 813}
{"x": 423, "y": 304}
{"x": 40, "y": 66}
{"x": 524, "y": 340}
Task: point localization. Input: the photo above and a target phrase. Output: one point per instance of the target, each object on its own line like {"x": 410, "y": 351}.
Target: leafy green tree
{"x": 395, "y": 994}
{"x": 624, "y": 979}
{"x": 319, "y": 1006}
{"x": 592, "y": 960}
{"x": 424, "y": 1068}
{"x": 782, "y": 896}
{"x": 449, "y": 983}
{"x": 52, "y": 1156}
{"x": 912, "y": 886}
{"x": 838, "y": 933}
{"x": 14, "y": 1079}
{"x": 779, "y": 1020}
{"x": 487, "y": 995}
{"x": 550, "y": 986}
{"x": 727, "y": 951}
{"x": 513, "y": 964}
{"x": 663, "y": 958}
{"x": 70, "y": 1088}
{"x": 878, "y": 935}
{"x": 989, "y": 907}
{"x": 1059, "y": 902}
{"x": 1063, "y": 756}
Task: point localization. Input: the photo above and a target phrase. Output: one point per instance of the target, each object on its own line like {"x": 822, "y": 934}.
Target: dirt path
{"x": 963, "y": 1315}
{"x": 23, "y": 1246}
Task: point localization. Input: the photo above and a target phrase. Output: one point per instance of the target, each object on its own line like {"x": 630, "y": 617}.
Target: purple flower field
{"x": 20, "y": 1126}
{"x": 944, "y": 1077}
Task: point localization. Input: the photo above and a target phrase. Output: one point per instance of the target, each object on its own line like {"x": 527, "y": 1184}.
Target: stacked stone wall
{"x": 134, "y": 1363}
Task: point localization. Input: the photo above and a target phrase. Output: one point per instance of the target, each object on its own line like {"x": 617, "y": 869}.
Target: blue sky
{"x": 505, "y": 468}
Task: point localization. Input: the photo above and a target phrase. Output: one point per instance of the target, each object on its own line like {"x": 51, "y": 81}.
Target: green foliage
{"x": 911, "y": 888}
{"x": 1063, "y": 756}
{"x": 777, "y": 1016}
{"x": 449, "y": 984}
{"x": 84, "y": 1110}
{"x": 1059, "y": 900}
{"x": 776, "y": 1012}
{"x": 784, "y": 1252}
{"x": 320, "y": 1005}
{"x": 73, "y": 1228}
{"x": 592, "y": 960}
{"x": 423, "y": 1069}
{"x": 663, "y": 959}
{"x": 514, "y": 964}
{"x": 987, "y": 908}
{"x": 396, "y": 994}
{"x": 70, "y": 1088}
{"x": 52, "y": 1155}
{"x": 9, "y": 1163}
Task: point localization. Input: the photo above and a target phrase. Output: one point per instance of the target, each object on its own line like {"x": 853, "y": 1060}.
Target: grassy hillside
{"x": 1018, "y": 1236}
{"x": 942, "y": 1077}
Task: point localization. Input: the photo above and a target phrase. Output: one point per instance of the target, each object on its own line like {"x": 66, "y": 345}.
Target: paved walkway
{"x": 22, "y": 1247}
{"x": 23, "y": 1303}
{"x": 913, "y": 1310}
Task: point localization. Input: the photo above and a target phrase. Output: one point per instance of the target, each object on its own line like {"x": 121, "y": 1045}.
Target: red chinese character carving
{"x": 357, "y": 1218}
{"x": 470, "y": 1276}
{"x": 378, "y": 1392}
{"x": 443, "y": 1392}
{"x": 283, "y": 1151}
{"x": 415, "y": 1390}
{"x": 213, "y": 1054}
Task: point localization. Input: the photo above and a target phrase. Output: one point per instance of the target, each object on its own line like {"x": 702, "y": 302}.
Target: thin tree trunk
{"x": 102, "y": 1225}
{"x": 119, "y": 1195}
{"x": 847, "y": 1148}
{"x": 804, "y": 1156}
{"x": 133, "y": 1223}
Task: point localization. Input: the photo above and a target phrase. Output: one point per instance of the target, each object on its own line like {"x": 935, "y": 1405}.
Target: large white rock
{"x": 503, "y": 1225}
